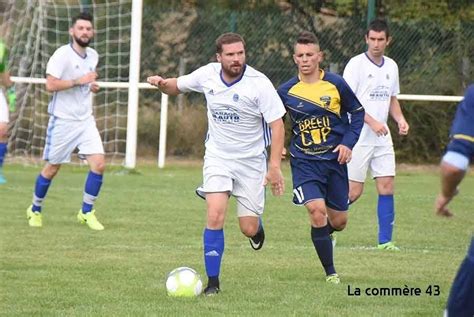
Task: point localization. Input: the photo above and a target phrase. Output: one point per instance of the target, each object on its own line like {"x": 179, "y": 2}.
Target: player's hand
{"x": 94, "y": 87}
{"x": 275, "y": 178}
{"x": 403, "y": 127}
{"x": 11, "y": 97}
{"x": 87, "y": 78}
{"x": 379, "y": 128}
{"x": 156, "y": 81}
{"x": 345, "y": 154}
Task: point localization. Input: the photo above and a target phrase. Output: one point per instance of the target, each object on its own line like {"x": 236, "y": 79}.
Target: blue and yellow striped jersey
{"x": 319, "y": 114}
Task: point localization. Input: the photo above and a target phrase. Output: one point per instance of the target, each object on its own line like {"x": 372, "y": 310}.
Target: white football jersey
{"x": 238, "y": 113}
{"x": 66, "y": 64}
{"x": 374, "y": 86}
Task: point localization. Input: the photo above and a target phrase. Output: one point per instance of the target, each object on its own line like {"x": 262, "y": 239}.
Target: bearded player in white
{"x": 374, "y": 79}
{"x": 242, "y": 105}
{"x": 71, "y": 75}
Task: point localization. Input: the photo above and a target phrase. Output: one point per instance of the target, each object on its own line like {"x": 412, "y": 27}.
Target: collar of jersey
{"x": 235, "y": 81}
{"x": 383, "y": 60}
{"x": 83, "y": 57}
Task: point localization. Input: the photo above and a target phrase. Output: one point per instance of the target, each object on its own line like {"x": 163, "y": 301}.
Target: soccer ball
{"x": 183, "y": 282}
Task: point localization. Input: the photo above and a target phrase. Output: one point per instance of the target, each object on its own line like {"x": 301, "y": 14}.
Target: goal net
{"x": 33, "y": 30}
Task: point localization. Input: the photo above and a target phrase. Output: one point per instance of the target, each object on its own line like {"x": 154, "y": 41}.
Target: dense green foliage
{"x": 431, "y": 43}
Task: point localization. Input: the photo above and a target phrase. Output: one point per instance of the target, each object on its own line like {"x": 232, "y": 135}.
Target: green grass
{"x": 154, "y": 224}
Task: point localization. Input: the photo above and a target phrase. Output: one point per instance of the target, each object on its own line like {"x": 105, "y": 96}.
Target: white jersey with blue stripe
{"x": 66, "y": 64}
{"x": 238, "y": 113}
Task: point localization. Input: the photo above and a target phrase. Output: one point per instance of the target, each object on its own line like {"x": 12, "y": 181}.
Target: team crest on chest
{"x": 235, "y": 97}
{"x": 325, "y": 101}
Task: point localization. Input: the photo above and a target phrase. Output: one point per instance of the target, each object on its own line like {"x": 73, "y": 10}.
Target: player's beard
{"x": 82, "y": 43}
{"x": 234, "y": 70}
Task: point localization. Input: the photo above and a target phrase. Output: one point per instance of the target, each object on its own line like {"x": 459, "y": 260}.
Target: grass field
{"x": 154, "y": 224}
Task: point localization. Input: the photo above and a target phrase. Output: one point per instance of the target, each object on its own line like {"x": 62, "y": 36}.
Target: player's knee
{"x": 50, "y": 170}
{"x": 249, "y": 229}
{"x": 318, "y": 215}
{"x": 99, "y": 167}
{"x": 339, "y": 224}
{"x": 215, "y": 220}
{"x": 354, "y": 195}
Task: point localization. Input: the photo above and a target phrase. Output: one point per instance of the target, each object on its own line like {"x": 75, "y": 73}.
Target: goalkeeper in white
{"x": 71, "y": 77}
{"x": 242, "y": 108}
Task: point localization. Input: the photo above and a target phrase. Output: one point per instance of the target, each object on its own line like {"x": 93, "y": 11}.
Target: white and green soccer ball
{"x": 183, "y": 282}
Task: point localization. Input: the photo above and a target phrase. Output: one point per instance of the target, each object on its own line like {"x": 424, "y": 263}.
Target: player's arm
{"x": 397, "y": 115}
{"x": 378, "y": 127}
{"x": 274, "y": 175}
{"x": 6, "y": 80}
{"x": 167, "y": 86}
{"x": 56, "y": 84}
{"x": 451, "y": 177}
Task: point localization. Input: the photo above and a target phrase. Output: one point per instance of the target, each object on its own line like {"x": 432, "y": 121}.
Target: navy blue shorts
{"x": 314, "y": 179}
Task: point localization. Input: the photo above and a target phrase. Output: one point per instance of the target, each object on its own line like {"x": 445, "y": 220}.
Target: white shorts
{"x": 64, "y": 136}
{"x": 3, "y": 108}
{"x": 380, "y": 160}
{"x": 241, "y": 178}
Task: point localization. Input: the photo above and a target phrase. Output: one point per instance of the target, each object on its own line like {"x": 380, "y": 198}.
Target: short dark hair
{"x": 379, "y": 25}
{"x": 82, "y": 16}
{"x": 228, "y": 38}
{"x": 307, "y": 37}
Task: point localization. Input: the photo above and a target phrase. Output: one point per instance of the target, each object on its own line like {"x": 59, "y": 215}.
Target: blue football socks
{"x": 213, "y": 251}
{"x": 41, "y": 188}
{"x": 91, "y": 191}
{"x": 386, "y": 217}
{"x": 3, "y": 152}
{"x": 323, "y": 245}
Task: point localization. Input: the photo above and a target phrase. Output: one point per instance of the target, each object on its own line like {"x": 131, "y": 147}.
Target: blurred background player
{"x": 71, "y": 77}
{"x": 6, "y": 105}
{"x": 374, "y": 79}
{"x": 318, "y": 103}
{"x": 244, "y": 116}
{"x": 459, "y": 154}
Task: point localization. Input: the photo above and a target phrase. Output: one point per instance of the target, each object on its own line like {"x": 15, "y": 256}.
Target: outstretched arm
{"x": 168, "y": 86}
{"x": 274, "y": 175}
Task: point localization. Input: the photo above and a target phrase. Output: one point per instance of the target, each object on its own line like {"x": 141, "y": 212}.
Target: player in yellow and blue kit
{"x": 323, "y": 136}
{"x": 455, "y": 162}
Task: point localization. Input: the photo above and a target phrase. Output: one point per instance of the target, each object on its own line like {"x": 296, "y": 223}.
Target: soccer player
{"x": 244, "y": 117}
{"x": 374, "y": 79}
{"x": 71, "y": 75}
{"x": 454, "y": 164}
{"x": 5, "y": 106}
{"x": 318, "y": 103}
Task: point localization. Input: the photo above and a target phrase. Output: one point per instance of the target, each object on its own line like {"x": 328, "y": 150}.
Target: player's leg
{"x": 93, "y": 184}
{"x": 213, "y": 239}
{"x": 383, "y": 170}
{"x": 216, "y": 188}
{"x": 90, "y": 146}
{"x": 43, "y": 181}
{"x": 460, "y": 301}
{"x": 3, "y": 148}
{"x": 337, "y": 199}
{"x": 3, "y": 134}
{"x": 357, "y": 170}
{"x": 250, "y": 195}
